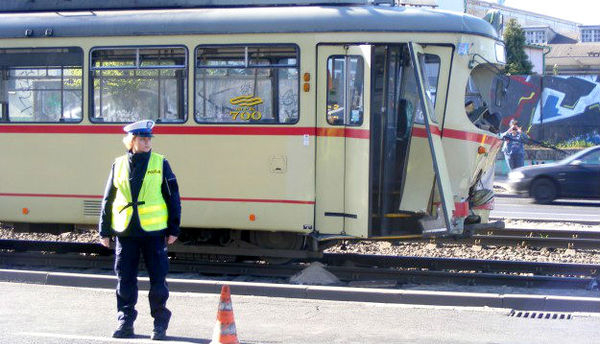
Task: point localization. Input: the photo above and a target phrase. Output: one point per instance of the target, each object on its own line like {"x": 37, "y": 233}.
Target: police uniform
{"x": 141, "y": 207}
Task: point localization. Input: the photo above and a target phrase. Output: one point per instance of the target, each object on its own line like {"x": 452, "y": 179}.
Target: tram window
{"x": 131, "y": 84}
{"x": 484, "y": 89}
{"x": 254, "y": 84}
{"x": 41, "y": 84}
{"x": 500, "y": 92}
{"x": 430, "y": 65}
{"x": 345, "y": 89}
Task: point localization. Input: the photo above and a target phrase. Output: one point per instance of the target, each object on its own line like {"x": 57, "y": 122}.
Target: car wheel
{"x": 543, "y": 191}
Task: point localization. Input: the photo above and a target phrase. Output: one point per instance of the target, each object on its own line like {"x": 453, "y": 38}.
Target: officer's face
{"x": 142, "y": 144}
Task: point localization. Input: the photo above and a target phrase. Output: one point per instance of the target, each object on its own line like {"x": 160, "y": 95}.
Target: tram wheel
{"x": 277, "y": 240}
{"x": 543, "y": 191}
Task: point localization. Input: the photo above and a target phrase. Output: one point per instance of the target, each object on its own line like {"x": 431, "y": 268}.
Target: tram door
{"x": 342, "y": 166}
{"x": 432, "y": 128}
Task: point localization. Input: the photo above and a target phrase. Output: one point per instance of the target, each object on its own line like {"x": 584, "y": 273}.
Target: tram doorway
{"x": 378, "y": 138}
{"x": 394, "y": 100}
{"x": 403, "y": 165}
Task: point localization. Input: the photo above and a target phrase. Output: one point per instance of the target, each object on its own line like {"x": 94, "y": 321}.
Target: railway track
{"x": 550, "y": 238}
{"x": 357, "y": 269}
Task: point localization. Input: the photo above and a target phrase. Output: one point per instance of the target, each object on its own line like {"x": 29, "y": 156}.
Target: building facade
{"x": 567, "y": 48}
{"x": 526, "y": 19}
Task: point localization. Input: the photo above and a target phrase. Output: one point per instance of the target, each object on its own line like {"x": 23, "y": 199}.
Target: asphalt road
{"x": 560, "y": 210}
{"x": 48, "y": 314}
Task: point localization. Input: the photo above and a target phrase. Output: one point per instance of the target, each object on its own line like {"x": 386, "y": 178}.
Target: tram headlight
{"x": 516, "y": 175}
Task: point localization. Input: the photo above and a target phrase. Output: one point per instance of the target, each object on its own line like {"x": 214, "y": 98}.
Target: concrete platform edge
{"x": 398, "y": 296}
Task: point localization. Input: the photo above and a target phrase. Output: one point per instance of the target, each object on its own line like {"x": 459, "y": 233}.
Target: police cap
{"x": 140, "y": 128}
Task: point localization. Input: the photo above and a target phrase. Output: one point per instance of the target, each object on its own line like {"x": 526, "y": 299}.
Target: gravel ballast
{"x": 399, "y": 248}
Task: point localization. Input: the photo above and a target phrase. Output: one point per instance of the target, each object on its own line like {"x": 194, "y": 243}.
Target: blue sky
{"x": 585, "y": 12}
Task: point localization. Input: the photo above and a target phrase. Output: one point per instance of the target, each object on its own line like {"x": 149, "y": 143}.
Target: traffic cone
{"x": 225, "y": 332}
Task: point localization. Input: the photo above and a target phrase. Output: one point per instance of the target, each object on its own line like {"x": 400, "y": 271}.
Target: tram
{"x": 281, "y": 122}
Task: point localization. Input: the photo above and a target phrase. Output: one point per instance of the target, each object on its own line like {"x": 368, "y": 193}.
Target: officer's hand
{"x": 105, "y": 242}
{"x": 171, "y": 239}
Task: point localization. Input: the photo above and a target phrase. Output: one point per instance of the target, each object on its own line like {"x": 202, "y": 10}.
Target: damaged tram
{"x": 282, "y": 122}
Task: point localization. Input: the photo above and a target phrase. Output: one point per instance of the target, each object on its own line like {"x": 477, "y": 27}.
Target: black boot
{"x": 123, "y": 332}
{"x": 159, "y": 334}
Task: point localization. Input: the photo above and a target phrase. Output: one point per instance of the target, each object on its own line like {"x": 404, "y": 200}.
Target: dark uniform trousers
{"x": 154, "y": 251}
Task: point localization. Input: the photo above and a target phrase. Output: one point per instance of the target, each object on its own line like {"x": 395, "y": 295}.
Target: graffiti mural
{"x": 554, "y": 109}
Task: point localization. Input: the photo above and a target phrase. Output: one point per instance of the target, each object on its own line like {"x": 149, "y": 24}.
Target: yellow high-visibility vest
{"x": 152, "y": 209}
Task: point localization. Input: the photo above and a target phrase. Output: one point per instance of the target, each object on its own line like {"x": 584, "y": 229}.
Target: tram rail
{"x": 355, "y": 268}
{"x": 549, "y": 238}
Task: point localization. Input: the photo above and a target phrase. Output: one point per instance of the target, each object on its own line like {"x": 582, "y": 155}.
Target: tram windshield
{"x": 485, "y": 92}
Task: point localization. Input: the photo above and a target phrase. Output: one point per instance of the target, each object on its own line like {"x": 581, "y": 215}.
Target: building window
{"x": 540, "y": 37}
{"x": 41, "y": 85}
{"x": 535, "y": 37}
{"x": 253, "y": 84}
{"x": 131, "y": 84}
{"x": 529, "y": 36}
{"x": 585, "y": 35}
{"x": 590, "y": 35}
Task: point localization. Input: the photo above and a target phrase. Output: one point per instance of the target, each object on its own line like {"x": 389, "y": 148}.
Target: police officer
{"x": 141, "y": 208}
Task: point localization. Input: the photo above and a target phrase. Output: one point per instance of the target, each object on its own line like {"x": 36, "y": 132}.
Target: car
{"x": 577, "y": 176}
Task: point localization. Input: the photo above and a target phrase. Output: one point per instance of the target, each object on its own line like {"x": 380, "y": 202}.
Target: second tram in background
{"x": 334, "y": 121}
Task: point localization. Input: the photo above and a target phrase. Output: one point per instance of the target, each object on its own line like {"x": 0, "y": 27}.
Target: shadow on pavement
{"x": 176, "y": 339}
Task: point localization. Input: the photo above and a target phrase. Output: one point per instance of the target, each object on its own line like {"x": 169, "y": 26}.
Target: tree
{"x": 517, "y": 60}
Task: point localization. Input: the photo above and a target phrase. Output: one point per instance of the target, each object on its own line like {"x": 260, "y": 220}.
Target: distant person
{"x": 513, "y": 148}
{"x": 141, "y": 207}
{"x": 595, "y": 139}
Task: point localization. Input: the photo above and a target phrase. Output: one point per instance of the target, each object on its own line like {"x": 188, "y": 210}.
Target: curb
{"x": 395, "y": 296}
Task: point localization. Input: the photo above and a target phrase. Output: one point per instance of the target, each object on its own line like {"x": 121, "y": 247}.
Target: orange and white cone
{"x": 225, "y": 332}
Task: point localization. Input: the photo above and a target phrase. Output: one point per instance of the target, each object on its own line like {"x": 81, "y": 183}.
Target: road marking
{"x": 570, "y": 204}
{"x": 531, "y": 214}
{"x": 137, "y": 339}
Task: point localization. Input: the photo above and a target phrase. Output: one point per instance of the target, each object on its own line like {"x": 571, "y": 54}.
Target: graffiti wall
{"x": 553, "y": 109}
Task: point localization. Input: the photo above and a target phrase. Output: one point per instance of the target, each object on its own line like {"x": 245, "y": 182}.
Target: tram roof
{"x": 239, "y": 20}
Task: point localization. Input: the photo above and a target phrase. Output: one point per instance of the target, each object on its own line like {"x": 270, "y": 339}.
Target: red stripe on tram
{"x": 61, "y": 129}
{"x": 422, "y": 132}
{"x": 469, "y": 136}
{"x": 168, "y": 130}
{"x": 249, "y": 200}
{"x": 344, "y": 132}
{"x": 458, "y": 135}
{"x": 240, "y": 130}
{"x": 189, "y": 130}
{"x": 48, "y": 195}
{"x": 245, "y": 130}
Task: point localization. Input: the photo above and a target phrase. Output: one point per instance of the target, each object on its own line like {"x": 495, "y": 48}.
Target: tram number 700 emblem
{"x": 246, "y": 108}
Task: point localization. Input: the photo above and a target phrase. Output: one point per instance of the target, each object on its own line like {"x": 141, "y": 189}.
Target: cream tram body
{"x": 309, "y": 174}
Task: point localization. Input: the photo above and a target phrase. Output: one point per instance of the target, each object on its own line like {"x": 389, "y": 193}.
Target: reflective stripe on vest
{"x": 152, "y": 209}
